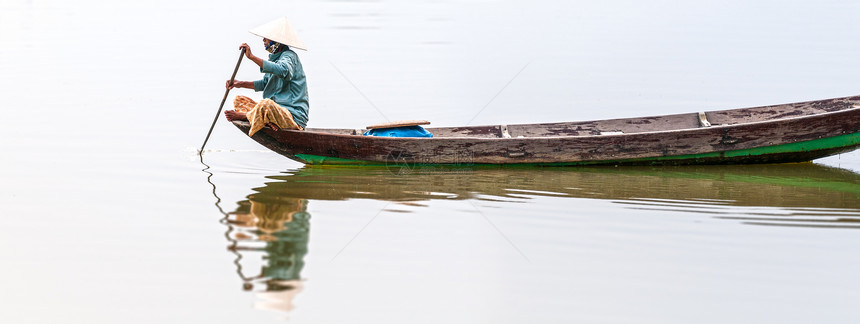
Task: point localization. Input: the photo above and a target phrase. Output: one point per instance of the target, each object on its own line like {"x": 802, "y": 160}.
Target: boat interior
{"x": 636, "y": 125}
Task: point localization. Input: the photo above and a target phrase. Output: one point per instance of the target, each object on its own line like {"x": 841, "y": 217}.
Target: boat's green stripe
{"x": 316, "y": 159}
{"x": 847, "y": 140}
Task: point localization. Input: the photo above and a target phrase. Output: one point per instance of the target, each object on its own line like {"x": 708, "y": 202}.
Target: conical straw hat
{"x": 279, "y": 30}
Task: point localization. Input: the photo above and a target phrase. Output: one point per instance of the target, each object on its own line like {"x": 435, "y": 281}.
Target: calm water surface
{"x": 111, "y": 217}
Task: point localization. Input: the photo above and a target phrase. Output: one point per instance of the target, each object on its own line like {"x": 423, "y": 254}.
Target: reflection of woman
{"x": 283, "y": 225}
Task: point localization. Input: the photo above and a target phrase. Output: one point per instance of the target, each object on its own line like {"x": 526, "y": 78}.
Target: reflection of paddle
{"x": 222, "y": 101}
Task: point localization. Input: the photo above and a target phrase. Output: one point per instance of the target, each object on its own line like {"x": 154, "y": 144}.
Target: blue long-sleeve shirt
{"x": 284, "y": 83}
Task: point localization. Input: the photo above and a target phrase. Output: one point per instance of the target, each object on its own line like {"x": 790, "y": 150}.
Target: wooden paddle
{"x": 222, "y": 101}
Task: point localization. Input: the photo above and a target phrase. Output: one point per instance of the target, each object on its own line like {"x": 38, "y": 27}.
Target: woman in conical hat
{"x": 285, "y": 91}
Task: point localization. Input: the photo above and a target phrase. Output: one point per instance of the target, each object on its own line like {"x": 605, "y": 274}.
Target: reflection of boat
{"x": 781, "y": 185}
{"x": 781, "y": 133}
{"x": 797, "y": 189}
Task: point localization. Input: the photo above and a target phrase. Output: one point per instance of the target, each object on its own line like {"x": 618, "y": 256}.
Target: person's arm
{"x": 250, "y": 56}
{"x": 283, "y": 67}
{"x": 259, "y": 85}
{"x": 240, "y": 84}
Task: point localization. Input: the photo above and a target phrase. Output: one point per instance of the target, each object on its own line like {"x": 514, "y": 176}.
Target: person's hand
{"x": 247, "y": 50}
{"x": 239, "y": 84}
{"x": 250, "y": 56}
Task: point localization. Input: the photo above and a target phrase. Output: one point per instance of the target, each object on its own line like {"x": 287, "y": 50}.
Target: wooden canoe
{"x": 793, "y": 132}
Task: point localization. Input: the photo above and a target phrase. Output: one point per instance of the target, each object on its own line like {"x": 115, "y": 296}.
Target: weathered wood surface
{"x": 571, "y": 142}
{"x": 399, "y": 123}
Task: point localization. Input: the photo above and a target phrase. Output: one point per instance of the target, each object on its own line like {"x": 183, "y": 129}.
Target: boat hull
{"x": 791, "y": 139}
